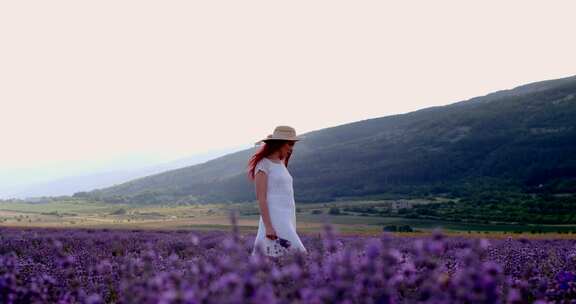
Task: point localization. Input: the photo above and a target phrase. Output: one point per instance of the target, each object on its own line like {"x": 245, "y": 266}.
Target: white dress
{"x": 282, "y": 209}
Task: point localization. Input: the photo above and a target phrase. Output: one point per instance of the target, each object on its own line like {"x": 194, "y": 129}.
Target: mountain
{"x": 108, "y": 178}
{"x": 518, "y": 140}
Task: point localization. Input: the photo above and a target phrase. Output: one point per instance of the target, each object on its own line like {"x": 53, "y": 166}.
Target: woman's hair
{"x": 269, "y": 147}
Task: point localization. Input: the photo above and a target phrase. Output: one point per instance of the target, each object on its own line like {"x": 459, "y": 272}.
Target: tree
{"x": 334, "y": 211}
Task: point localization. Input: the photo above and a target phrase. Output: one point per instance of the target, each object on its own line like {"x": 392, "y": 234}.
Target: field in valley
{"x": 310, "y": 218}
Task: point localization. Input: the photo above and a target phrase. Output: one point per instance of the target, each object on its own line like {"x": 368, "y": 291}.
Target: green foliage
{"x": 396, "y": 228}
{"x": 334, "y": 211}
{"x": 502, "y": 207}
{"x": 390, "y": 228}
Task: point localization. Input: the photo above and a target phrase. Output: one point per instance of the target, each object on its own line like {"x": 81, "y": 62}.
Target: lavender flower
{"x": 119, "y": 266}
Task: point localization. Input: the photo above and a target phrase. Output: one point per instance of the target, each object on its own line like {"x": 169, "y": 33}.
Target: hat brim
{"x": 285, "y": 139}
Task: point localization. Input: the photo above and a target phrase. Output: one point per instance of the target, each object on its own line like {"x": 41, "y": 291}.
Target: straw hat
{"x": 281, "y": 133}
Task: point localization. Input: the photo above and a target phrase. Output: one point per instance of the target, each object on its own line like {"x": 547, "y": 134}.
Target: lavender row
{"x": 119, "y": 266}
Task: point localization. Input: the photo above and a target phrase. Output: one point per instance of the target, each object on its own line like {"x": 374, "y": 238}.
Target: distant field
{"x": 310, "y": 219}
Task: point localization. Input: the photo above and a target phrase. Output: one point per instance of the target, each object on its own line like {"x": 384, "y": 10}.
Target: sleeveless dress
{"x": 282, "y": 209}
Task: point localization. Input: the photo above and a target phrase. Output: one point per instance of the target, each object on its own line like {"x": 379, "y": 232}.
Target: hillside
{"x": 520, "y": 140}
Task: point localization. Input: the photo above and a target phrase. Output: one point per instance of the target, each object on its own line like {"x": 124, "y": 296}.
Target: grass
{"x": 83, "y": 214}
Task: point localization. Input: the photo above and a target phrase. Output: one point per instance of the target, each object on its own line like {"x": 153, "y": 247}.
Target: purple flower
{"x": 563, "y": 278}
{"x": 283, "y": 242}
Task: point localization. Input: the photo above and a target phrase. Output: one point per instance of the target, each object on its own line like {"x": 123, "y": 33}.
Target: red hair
{"x": 269, "y": 147}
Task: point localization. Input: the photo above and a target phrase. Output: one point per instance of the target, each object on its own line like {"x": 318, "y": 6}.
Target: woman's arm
{"x": 261, "y": 182}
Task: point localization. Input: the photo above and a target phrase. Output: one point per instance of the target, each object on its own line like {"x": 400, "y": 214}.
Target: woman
{"x": 274, "y": 192}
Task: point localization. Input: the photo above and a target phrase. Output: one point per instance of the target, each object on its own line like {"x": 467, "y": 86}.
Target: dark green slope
{"x": 522, "y": 140}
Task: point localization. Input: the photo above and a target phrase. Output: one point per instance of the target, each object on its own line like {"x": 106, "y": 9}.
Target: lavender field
{"x": 132, "y": 266}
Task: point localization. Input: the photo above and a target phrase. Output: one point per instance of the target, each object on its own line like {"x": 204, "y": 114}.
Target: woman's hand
{"x": 271, "y": 233}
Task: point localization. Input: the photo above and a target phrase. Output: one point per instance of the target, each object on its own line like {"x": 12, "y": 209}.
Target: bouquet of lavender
{"x": 278, "y": 246}
{"x": 283, "y": 242}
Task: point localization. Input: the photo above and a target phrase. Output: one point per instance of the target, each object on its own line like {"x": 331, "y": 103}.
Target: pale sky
{"x": 91, "y": 81}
